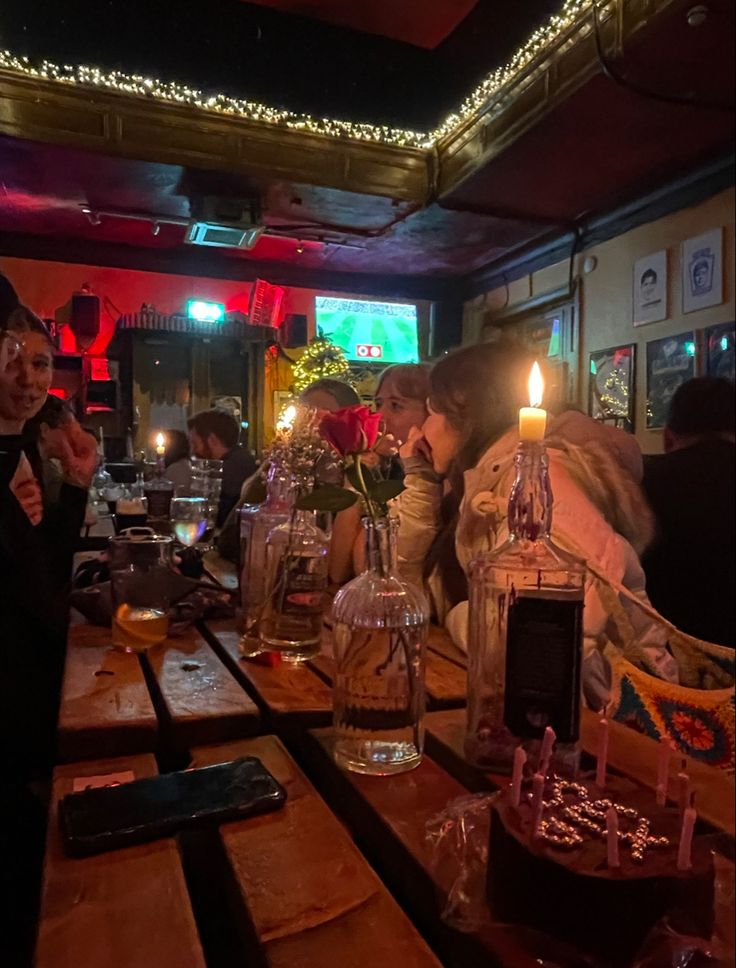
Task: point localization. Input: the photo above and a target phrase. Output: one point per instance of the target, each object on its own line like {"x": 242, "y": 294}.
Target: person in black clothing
{"x": 214, "y": 435}
{"x": 690, "y": 567}
{"x": 36, "y": 550}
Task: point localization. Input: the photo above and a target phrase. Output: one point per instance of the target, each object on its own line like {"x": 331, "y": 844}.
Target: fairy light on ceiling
{"x": 223, "y": 104}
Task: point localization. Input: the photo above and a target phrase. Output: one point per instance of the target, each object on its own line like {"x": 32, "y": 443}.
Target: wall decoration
{"x": 702, "y": 271}
{"x": 650, "y": 288}
{"x": 611, "y": 388}
{"x": 670, "y": 362}
{"x": 720, "y": 344}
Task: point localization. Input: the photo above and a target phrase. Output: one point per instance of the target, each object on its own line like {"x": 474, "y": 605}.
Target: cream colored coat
{"x": 599, "y": 510}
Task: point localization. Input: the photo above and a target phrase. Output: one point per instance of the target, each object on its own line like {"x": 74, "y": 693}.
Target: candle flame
{"x": 536, "y": 386}
{"x": 287, "y": 418}
{"x": 160, "y": 440}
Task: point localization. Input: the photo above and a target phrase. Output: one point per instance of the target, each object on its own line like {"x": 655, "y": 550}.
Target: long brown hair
{"x": 479, "y": 390}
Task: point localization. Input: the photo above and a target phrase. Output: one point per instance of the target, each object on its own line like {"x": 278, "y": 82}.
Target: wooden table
{"x": 268, "y": 885}
{"x": 283, "y": 890}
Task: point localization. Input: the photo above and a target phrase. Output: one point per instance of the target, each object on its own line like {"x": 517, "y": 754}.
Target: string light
{"x": 570, "y": 15}
{"x": 321, "y": 359}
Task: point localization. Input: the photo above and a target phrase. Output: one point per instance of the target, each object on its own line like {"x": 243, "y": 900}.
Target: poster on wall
{"x": 611, "y": 387}
{"x": 720, "y": 342}
{"x": 670, "y": 362}
{"x": 702, "y": 271}
{"x": 650, "y": 288}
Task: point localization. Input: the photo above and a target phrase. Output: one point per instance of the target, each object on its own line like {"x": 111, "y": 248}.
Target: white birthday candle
{"x": 600, "y": 769}
{"x": 663, "y": 768}
{"x": 537, "y": 802}
{"x": 548, "y": 742}
{"x": 684, "y": 851}
{"x": 518, "y": 775}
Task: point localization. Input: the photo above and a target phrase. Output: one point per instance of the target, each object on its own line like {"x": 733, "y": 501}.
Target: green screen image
{"x": 370, "y": 332}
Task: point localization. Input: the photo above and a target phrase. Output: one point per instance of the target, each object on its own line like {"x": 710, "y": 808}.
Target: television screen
{"x": 369, "y": 332}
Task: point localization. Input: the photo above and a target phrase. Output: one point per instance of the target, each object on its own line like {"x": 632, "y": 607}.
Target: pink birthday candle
{"x": 518, "y": 775}
{"x": 684, "y": 851}
{"x": 537, "y": 802}
{"x": 545, "y": 753}
{"x": 663, "y": 769}
{"x": 600, "y": 769}
{"x": 612, "y": 838}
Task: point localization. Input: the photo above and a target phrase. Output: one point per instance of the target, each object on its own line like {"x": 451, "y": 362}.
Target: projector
{"x": 226, "y": 223}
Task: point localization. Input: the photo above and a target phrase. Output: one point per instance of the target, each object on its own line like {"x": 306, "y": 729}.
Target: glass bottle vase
{"x": 380, "y": 634}
{"x": 290, "y": 621}
{"x": 525, "y": 633}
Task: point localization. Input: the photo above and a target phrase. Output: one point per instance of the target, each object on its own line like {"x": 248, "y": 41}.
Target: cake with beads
{"x": 549, "y": 866}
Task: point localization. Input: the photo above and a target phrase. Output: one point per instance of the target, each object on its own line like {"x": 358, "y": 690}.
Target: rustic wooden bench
{"x": 284, "y": 889}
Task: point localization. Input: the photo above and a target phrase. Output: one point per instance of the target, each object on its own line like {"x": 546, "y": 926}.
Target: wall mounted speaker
{"x": 445, "y": 326}
{"x": 294, "y": 331}
{"x": 84, "y": 319}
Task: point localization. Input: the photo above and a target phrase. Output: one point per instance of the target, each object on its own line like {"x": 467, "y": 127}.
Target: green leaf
{"x": 383, "y": 491}
{"x": 329, "y": 497}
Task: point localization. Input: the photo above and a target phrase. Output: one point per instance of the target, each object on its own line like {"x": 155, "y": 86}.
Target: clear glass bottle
{"x": 256, "y": 523}
{"x": 296, "y": 583}
{"x": 525, "y": 633}
{"x": 380, "y": 634}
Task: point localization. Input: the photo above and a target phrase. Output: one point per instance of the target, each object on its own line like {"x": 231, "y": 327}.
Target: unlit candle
{"x": 612, "y": 838}
{"x": 684, "y": 851}
{"x": 600, "y": 769}
{"x": 517, "y": 775}
{"x": 545, "y": 752}
{"x": 537, "y": 802}
{"x": 663, "y": 762}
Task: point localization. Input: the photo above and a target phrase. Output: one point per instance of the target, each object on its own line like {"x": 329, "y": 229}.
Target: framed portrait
{"x": 650, "y": 288}
{"x": 670, "y": 362}
{"x": 611, "y": 387}
{"x": 702, "y": 271}
{"x": 720, "y": 347}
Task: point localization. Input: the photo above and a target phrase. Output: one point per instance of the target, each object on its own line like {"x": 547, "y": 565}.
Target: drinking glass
{"x": 189, "y": 519}
{"x": 130, "y": 512}
{"x": 140, "y": 574}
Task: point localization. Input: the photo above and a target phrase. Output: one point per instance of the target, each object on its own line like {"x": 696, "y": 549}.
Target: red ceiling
{"x": 424, "y": 23}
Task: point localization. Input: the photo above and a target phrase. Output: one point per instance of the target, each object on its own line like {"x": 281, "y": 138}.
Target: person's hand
{"x": 76, "y": 448}
{"x": 386, "y": 446}
{"x": 416, "y": 446}
{"x": 28, "y": 495}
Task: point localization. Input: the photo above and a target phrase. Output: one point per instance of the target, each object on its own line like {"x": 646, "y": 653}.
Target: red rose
{"x": 351, "y": 430}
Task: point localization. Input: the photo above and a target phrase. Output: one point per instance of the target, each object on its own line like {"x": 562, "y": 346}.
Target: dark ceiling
{"x": 604, "y": 145}
{"x": 285, "y": 60}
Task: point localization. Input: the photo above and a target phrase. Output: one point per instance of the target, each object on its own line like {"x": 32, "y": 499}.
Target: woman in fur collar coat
{"x": 458, "y": 475}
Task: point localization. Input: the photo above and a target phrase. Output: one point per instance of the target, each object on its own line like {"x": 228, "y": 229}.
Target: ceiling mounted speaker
{"x": 226, "y": 223}
{"x": 294, "y": 331}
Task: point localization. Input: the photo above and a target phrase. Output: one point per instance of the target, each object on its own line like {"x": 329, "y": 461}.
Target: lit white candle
{"x": 612, "y": 838}
{"x": 663, "y": 769}
{"x": 532, "y": 419}
{"x": 545, "y": 753}
{"x": 600, "y": 768}
{"x": 684, "y": 851}
{"x": 160, "y": 445}
{"x": 537, "y": 802}
{"x": 286, "y": 420}
{"x": 517, "y": 775}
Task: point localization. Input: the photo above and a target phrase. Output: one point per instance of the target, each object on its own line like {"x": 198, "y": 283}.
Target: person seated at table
{"x": 214, "y": 435}
{"x": 178, "y": 467}
{"x": 328, "y": 394}
{"x": 401, "y": 399}
{"x": 459, "y": 470}
{"x": 691, "y": 565}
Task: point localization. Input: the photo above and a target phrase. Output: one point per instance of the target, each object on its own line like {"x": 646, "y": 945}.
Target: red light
{"x": 58, "y": 392}
{"x": 369, "y": 351}
{"x": 99, "y": 368}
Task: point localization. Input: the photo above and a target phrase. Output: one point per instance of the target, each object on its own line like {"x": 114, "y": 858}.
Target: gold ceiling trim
{"x": 146, "y": 119}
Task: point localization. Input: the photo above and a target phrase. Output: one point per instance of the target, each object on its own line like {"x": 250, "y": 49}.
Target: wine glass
{"x": 189, "y": 519}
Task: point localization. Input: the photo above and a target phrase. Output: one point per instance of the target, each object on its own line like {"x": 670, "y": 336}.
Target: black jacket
{"x": 35, "y": 573}
{"x": 690, "y": 567}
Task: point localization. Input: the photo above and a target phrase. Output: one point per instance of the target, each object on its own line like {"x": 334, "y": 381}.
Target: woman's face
{"x": 26, "y": 376}
{"x": 399, "y": 413}
{"x": 442, "y": 438}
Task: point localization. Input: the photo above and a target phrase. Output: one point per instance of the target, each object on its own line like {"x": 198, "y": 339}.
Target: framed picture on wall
{"x": 611, "y": 387}
{"x": 670, "y": 362}
{"x": 720, "y": 345}
{"x": 702, "y": 271}
{"x": 650, "y": 288}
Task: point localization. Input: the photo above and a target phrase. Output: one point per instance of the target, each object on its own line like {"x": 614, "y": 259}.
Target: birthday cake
{"x": 549, "y": 867}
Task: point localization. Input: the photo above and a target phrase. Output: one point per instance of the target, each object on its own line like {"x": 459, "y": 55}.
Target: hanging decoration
{"x": 321, "y": 359}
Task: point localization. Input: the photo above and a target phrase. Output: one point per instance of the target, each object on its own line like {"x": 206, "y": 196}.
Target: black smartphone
{"x": 109, "y": 817}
